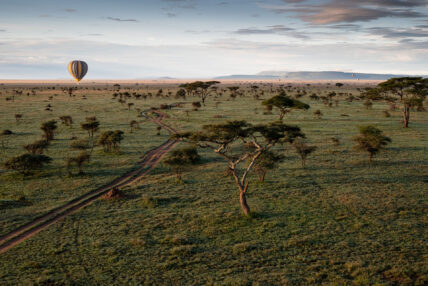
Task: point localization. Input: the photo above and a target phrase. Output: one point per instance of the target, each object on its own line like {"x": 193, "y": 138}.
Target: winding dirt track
{"x": 150, "y": 160}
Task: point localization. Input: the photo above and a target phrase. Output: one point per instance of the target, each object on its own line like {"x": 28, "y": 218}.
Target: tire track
{"x": 150, "y": 160}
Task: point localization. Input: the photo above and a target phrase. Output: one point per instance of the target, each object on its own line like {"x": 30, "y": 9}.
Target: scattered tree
{"x": 37, "y": 147}
{"x": 303, "y": 150}
{"x": 284, "y": 103}
{"x": 79, "y": 160}
{"x": 48, "y": 129}
{"x": 221, "y": 137}
{"x": 181, "y": 159}
{"x": 110, "y": 140}
{"x": 91, "y": 125}
{"x": 371, "y": 140}
{"x": 26, "y": 163}
{"x": 404, "y": 93}
{"x": 268, "y": 161}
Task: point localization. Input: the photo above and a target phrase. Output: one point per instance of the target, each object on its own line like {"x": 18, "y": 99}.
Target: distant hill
{"x": 314, "y": 75}
{"x": 247, "y": 76}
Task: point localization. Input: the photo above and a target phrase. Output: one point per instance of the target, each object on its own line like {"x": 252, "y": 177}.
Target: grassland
{"x": 339, "y": 221}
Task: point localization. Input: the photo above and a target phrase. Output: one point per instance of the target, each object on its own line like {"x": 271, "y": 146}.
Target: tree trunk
{"x": 406, "y": 117}
{"x": 243, "y": 202}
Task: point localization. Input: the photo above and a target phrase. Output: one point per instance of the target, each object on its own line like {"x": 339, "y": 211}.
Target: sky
{"x": 136, "y": 39}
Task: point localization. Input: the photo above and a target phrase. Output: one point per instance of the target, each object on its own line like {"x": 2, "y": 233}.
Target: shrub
{"x": 26, "y": 163}
{"x": 182, "y": 158}
{"x": 110, "y": 140}
{"x": 37, "y": 147}
{"x": 48, "y": 129}
{"x": 370, "y": 140}
{"x": 303, "y": 150}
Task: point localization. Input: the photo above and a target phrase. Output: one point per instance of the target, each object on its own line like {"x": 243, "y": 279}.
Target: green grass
{"x": 339, "y": 221}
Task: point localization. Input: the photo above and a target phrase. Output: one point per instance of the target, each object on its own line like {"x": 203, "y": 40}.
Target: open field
{"x": 340, "y": 220}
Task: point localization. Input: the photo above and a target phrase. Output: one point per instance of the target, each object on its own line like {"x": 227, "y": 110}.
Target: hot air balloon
{"x": 78, "y": 69}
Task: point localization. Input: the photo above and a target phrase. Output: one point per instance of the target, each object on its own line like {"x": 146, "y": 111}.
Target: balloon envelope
{"x": 78, "y": 69}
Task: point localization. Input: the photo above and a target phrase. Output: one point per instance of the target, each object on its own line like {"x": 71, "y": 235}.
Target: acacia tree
{"x": 48, "y": 129}
{"x": 182, "y": 159}
{"x": 224, "y": 139}
{"x": 26, "y": 163}
{"x": 284, "y": 103}
{"x": 303, "y": 150}
{"x": 403, "y": 93}
{"x": 371, "y": 140}
{"x": 268, "y": 160}
{"x": 199, "y": 87}
{"x": 79, "y": 160}
{"x": 91, "y": 125}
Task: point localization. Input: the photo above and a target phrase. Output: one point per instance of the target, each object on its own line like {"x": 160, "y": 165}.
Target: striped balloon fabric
{"x": 78, "y": 69}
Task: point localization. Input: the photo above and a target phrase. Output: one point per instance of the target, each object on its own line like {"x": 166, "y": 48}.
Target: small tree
{"x": 82, "y": 158}
{"x": 268, "y": 161}
{"x": 339, "y": 84}
{"x": 91, "y": 125}
{"x": 404, "y": 93}
{"x": 199, "y": 87}
{"x": 37, "y": 147}
{"x": 318, "y": 113}
{"x": 18, "y": 117}
{"x": 285, "y": 104}
{"x": 181, "y": 93}
{"x": 81, "y": 144}
{"x": 110, "y": 140}
{"x": 303, "y": 150}
{"x": 370, "y": 140}
{"x": 26, "y": 163}
{"x": 48, "y": 129}
{"x": 67, "y": 120}
{"x": 134, "y": 125}
{"x": 182, "y": 159}
{"x": 222, "y": 137}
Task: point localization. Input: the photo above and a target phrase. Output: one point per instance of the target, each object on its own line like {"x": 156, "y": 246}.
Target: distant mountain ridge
{"x": 314, "y": 75}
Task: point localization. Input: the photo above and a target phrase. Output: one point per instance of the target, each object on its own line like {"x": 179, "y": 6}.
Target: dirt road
{"x": 149, "y": 161}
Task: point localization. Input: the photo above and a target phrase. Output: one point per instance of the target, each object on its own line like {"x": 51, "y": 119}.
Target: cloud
{"x": 171, "y": 15}
{"x": 70, "y": 10}
{"x": 121, "y": 20}
{"x": 348, "y": 11}
{"x": 183, "y": 4}
{"x": 2, "y": 30}
{"x": 399, "y": 33}
{"x": 277, "y": 29}
{"x": 272, "y": 30}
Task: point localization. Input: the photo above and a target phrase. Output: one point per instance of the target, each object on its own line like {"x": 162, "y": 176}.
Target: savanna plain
{"x": 340, "y": 219}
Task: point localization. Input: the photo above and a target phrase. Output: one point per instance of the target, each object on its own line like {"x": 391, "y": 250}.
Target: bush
{"x": 26, "y": 163}
{"x": 371, "y": 140}
{"x": 37, "y": 147}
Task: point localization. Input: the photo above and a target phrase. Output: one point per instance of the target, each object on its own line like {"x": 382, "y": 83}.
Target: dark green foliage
{"x": 285, "y": 103}
{"x": 339, "y": 84}
{"x": 303, "y": 150}
{"x": 66, "y": 120}
{"x": 368, "y": 103}
{"x": 37, "y": 147}
{"x": 268, "y": 161}
{"x": 48, "y": 129}
{"x": 181, "y": 93}
{"x": 80, "y": 144}
{"x": 318, "y": 113}
{"x": 221, "y": 137}
{"x": 200, "y": 88}
{"x": 26, "y": 163}
{"x": 110, "y": 140}
{"x": 79, "y": 160}
{"x": 91, "y": 125}
{"x": 181, "y": 159}
{"x": 371, "y": 140}
{"x": 404, "y": 92}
